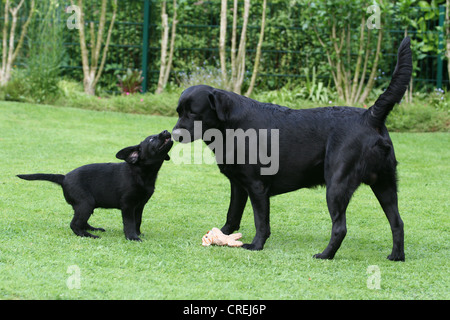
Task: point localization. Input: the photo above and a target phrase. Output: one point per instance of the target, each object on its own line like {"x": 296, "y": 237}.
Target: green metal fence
{"x": 135, "y": 44}
{"x": 285, "y": 57}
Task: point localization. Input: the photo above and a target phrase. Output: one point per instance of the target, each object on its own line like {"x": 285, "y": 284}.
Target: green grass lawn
{"x": 38, "y": 249}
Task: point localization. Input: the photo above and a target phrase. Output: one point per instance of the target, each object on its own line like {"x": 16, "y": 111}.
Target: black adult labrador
{"x": 340, "y": 147}
{"x": 127, "y": 186}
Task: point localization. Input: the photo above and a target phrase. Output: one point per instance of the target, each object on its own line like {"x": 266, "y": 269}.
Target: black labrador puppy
{"x": 340, "y": 147}
{"x": 127, "y": 186}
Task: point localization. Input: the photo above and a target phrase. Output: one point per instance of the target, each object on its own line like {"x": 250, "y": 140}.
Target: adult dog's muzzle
{"x": 177, "y": 135}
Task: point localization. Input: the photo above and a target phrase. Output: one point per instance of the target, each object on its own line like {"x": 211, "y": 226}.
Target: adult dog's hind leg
{"x": 386, "y": 192}
{"x": 339, "y": 194}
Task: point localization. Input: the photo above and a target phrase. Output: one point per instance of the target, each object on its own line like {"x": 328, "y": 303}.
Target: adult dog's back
{"x": 340, "y": 147}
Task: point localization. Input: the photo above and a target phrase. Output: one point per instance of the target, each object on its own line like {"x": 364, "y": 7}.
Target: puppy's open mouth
{"x": 165, "y": 143}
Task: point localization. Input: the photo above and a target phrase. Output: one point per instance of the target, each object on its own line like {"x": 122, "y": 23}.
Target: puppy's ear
{"x": 226, "y": 104}
{"x": 129, "y": 154}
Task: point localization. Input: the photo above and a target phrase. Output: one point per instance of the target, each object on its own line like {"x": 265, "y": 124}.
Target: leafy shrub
{"x": 131, "y": 82}
{"x": 439, "y": 100}
{"x": 16, "y": 88}
{"x": 309, "y": 92}
{"x": 316, "y": 91}
{"x": 418, "y": 117}
{"x": 45, "y": 54}
{"x": 202, "y": 75}
{"x": 73, "y": 95}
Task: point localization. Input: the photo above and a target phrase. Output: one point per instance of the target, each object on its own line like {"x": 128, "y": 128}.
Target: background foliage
{"x": 294, "y": 70}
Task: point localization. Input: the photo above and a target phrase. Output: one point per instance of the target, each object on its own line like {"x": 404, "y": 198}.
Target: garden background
{"x": 294, "y": 66}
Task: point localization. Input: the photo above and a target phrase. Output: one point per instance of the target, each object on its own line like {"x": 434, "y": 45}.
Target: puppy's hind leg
{"x": 91, "y": 228}
{"x": 79, "y": 224}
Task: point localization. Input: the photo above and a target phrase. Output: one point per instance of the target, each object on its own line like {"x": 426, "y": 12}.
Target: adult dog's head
{"x": 152, "y": 150}
{"x": 213, "y": 108}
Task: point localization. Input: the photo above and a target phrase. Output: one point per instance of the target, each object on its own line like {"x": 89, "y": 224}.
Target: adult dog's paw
{"x": 322, "y": 256}
{"x": 251, "y": 246}
{"x": 396, "y": 257}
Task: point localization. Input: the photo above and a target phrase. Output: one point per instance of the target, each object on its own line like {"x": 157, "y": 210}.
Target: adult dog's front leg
{"x": 261, "y": 211}
{"x": 238, "y": 201}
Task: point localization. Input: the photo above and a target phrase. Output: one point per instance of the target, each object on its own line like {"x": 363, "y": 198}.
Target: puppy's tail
{"x": 55, "y": 178}
{"x": 377, "y": 114}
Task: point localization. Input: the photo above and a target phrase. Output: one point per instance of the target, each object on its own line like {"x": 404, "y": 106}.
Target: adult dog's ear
{"x": 226, "y": 104}
{"x": 129, "y": 154}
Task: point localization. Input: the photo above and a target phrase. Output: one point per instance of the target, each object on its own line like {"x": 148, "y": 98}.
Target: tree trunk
{"x": 172, "y": 42}
{"x": 235, "y": 81}
{"x": 9, "y": 53}
{"x": 240, "y": 59}
{"x": 93, "y": 72}
{"x": 447, "y": 33}
{"x": 258, "y": 51}
{"x": 370, "y": 83}
{"x": 164, "y": 42}
{"x": 89, "y": 83}
{"x": 222, "y": 41}
{"x": 166, "y": 61}
{"x": 353, "y": 96}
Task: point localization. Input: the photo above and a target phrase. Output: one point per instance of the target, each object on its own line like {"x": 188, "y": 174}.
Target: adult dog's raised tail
{"x": 376, "y": 114}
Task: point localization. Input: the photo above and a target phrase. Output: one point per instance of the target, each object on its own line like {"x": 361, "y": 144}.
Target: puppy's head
{"x": 152, "y": 150}
{"x": 212, "y": 107}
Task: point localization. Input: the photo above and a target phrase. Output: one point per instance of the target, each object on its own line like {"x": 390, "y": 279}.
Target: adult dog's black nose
{"x": 176, "y": 134}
